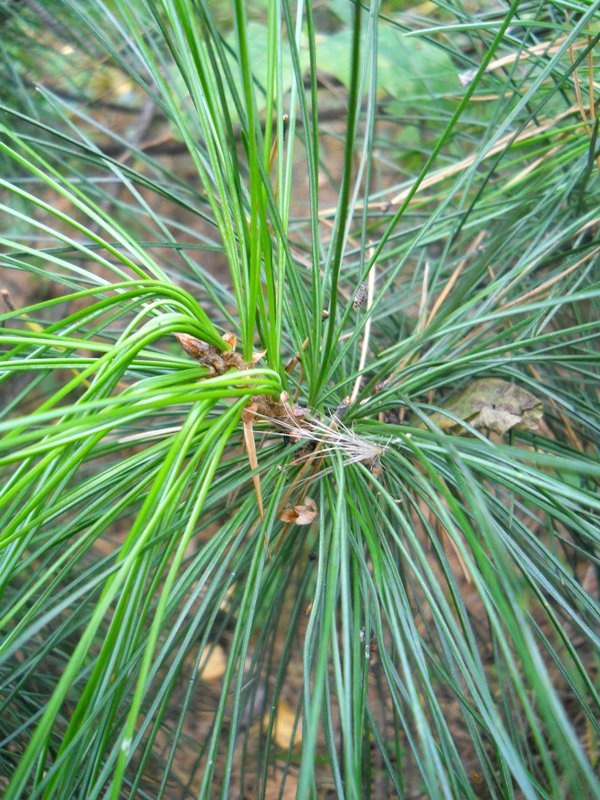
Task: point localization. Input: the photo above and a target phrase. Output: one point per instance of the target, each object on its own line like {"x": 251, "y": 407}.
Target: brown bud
{"x": 196, "y": 348}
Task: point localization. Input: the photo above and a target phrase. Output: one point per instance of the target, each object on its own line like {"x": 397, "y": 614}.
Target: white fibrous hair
{"x": 332, "y": 436}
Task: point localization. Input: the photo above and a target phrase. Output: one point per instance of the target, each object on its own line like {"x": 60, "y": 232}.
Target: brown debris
{"x": 216, "y": 361}
{"x": 301, "y": 514}
{"x": 492, "y": 404}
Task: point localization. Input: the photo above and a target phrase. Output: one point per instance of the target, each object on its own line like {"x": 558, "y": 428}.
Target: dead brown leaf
{"x": 495, "y": 405}
{"x": 300, "y": 514}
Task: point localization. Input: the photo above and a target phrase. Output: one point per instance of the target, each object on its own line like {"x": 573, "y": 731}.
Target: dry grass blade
{"x": 247, "y": 422}
{"x": 510, "y": 140}
{"x": 422, "y": 314}
{"x": 580, "y": 103}
{"x": 531, "y": 132}
{"x": 539, "y": 49}
{"x": 538, "y": 290}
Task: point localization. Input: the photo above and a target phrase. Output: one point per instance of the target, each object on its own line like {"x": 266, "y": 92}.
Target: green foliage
{"x": 392, "y": 214}
{"x": 411, "y": 71}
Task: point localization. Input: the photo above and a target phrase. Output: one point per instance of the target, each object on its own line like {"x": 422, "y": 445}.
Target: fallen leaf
{"x": 300, "y": 514}
{"x": 497, "y": 420}
{"x": 284, "y": 735}
{"x": 213, "y": 663}
{"x": 495, "y": 405}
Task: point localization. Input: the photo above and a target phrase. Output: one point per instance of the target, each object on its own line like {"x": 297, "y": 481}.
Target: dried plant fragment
{"x": 301, "y": 514}
{"x": 247, "y": 419}
{"x": 263, "y": 407}
{"x": 495, "y": 405}
{"x": 280, "y": 412}
{"x": 216, "y": 362}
